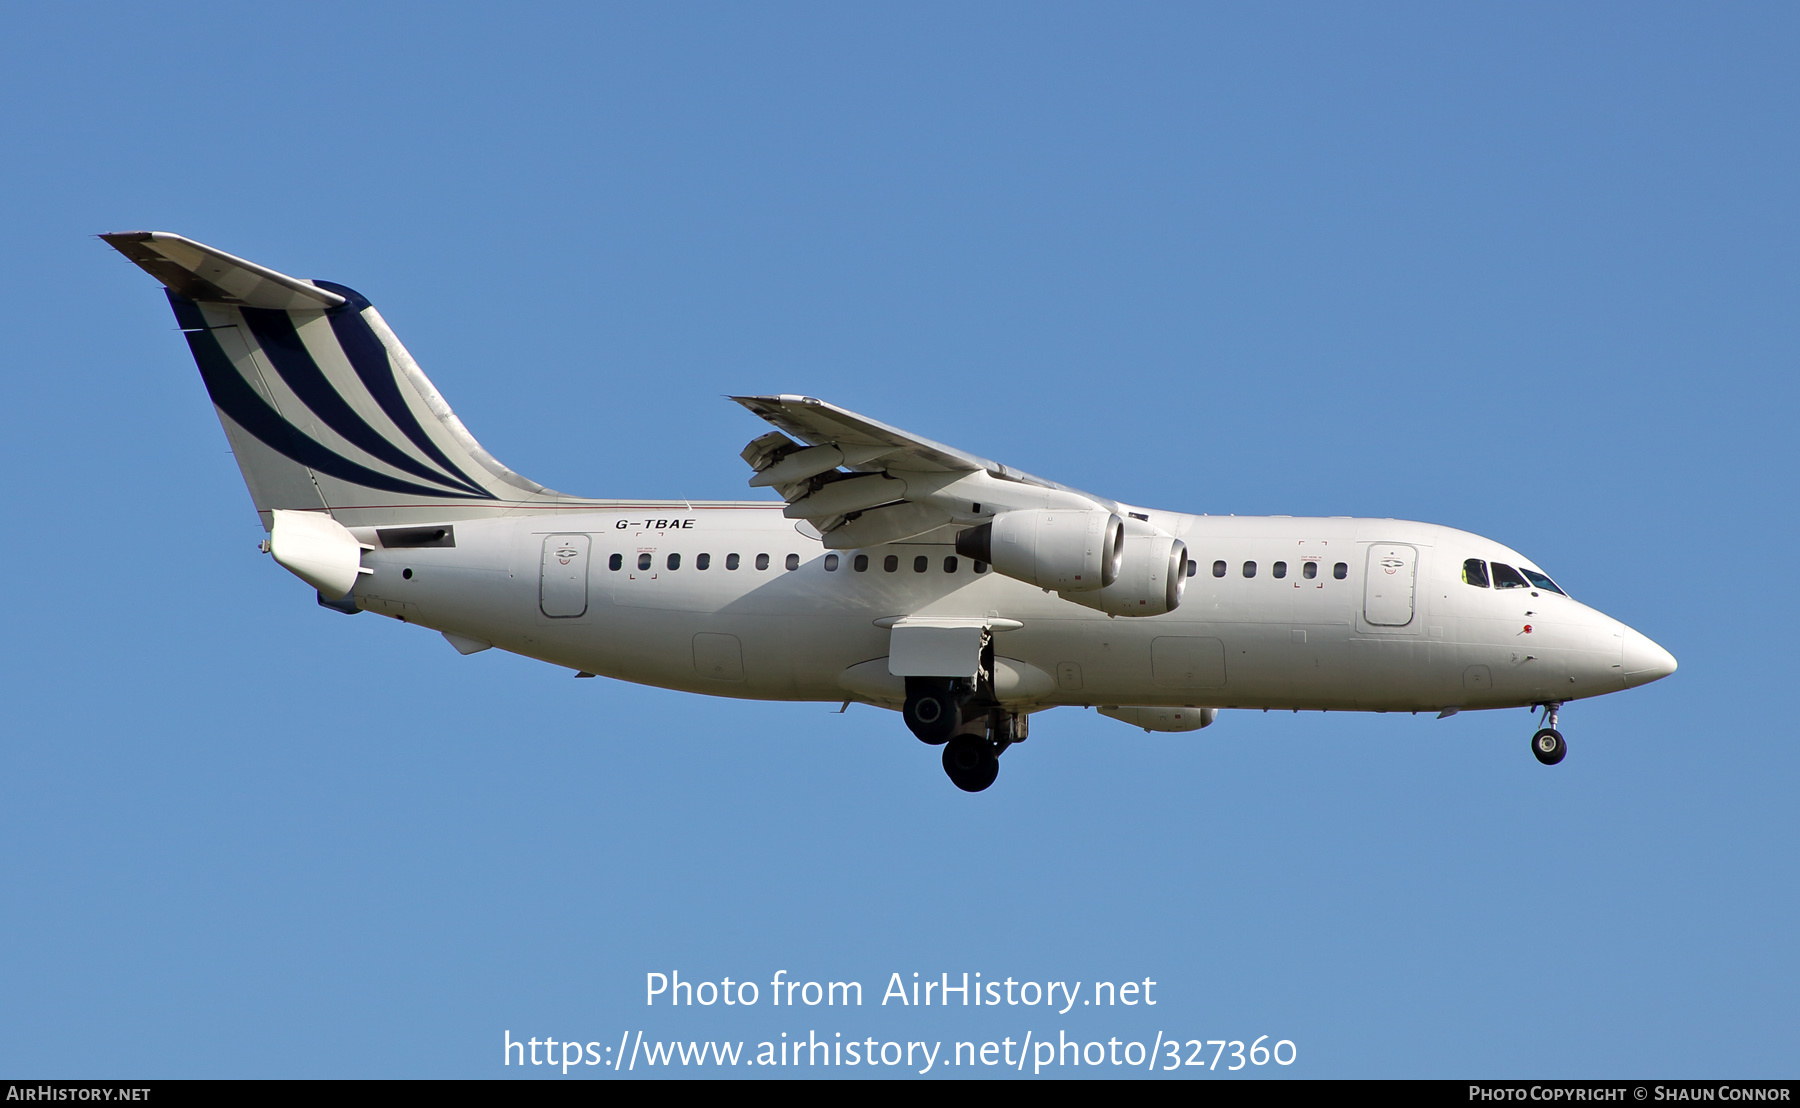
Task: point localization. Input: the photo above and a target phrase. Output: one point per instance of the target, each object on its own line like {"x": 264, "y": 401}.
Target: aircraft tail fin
{"x": 322, "y": 404}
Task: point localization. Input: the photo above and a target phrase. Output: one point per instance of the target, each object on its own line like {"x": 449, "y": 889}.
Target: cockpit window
{"x": 1543, "y": 582}
{"x": 1475, "y": 573}
{"x": 1506, "y": 577}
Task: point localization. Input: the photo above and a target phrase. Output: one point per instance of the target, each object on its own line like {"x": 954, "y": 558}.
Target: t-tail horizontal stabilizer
{"x": 324, "y": 408}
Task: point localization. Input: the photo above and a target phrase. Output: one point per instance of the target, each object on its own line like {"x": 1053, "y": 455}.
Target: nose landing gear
{"x": 1548, "y": 745}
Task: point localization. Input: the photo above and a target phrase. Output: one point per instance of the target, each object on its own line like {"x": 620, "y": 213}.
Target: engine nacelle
{"x": 1152, "y": 575}
{"x": 1162, "y": 719}
{"x": 1067, "y": 551}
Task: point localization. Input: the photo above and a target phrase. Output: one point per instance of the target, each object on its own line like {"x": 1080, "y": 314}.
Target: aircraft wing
{"x": 817, "y": 423}
{"x": 864, "y": 483}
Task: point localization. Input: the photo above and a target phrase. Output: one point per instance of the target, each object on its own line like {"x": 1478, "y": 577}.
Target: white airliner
{"x": 895, "y": 571}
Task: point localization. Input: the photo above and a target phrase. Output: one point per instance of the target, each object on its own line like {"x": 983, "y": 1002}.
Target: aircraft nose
{"x": 1644, "y": 661}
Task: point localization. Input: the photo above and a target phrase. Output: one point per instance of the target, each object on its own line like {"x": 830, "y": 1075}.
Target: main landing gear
{"x": 1548, "y": 744}
{"x": 972, "y": 762}
{"x": 934, "y": 707}
{"x": 972, "y": 758}
{"x": 945, "y": 712}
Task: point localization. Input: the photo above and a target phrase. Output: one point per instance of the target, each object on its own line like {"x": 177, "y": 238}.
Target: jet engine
{"x": 1064, "y": 550}
{"x": 1162, "y": 719}
{"x": 1152, "y": 575}
{"x": 1089, "y": 557}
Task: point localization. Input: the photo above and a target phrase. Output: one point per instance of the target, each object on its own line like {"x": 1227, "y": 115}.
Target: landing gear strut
{"x": 1548, "y": 744}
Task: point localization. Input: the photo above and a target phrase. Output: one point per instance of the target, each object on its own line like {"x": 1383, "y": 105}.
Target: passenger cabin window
{"x": 703, "y": 561}
{"x": 1341, "y": 570}
{"x": 1506, "y": 577}
{"x": 1219, "y": 568}
{"x": 1193, "y": 567}
{"x": 793, "y": 562}
{"x": 1475, "y": 573}
{"x": 1279, "y": 569}
{"x": 861, "y": 563}
{"x": 674, "y": 561}
{"x": 831, "y": 563}
{"x": 1541, "y": 581}
{"x": 617, "y": 561}
{"x": 950, "y": 565}
{"x": 921, "y": 564}
{"x": 762, "y": 561}
{"x": 1310, "y": 570}
{"x": 731, "y": 561}
{"x": 980, "y": 567}
{"x": 890, "y": 563}
{"x": 1249, "y": 569}
{"x": 643, "y": 561}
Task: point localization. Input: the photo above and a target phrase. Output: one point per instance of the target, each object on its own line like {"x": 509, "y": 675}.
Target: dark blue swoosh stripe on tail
{"x": 248, "y": 410}
{"x": 369, "y": 357}
{"x": 187, "y": 313}
{"x": 280, "y": 340}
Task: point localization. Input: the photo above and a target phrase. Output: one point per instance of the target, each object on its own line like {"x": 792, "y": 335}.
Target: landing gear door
{"x": 1388, "y": 585}
{"x": 563, "y": 582}
{"x": 936, "y": 649}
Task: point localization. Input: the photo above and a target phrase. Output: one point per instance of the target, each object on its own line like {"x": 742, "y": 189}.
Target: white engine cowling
{"x": 1152, "y": 575}
{"x": 1162, "y": 719}
{"x": 1068, "y": 551}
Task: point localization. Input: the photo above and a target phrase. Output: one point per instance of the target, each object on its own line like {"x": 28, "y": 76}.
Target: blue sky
{"x": 1527, "y": 270}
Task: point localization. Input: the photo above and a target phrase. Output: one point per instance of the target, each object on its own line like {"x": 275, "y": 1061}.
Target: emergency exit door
{"x": 1388, "y": 585}
{"x": 563, "y": 582}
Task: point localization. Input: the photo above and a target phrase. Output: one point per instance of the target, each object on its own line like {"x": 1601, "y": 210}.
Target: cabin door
{"x": 1388, "y": 585}
{"x": 563, "y": 583}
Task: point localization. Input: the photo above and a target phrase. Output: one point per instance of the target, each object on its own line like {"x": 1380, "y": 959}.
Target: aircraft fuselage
{"x": 1382, "y": 621}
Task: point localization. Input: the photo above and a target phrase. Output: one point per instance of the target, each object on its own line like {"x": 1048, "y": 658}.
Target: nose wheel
{"x": 1548, "y": 745}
